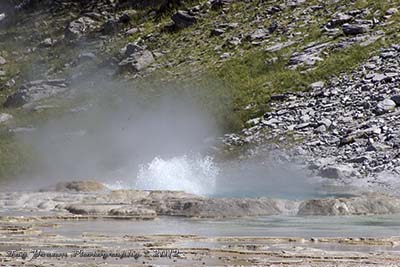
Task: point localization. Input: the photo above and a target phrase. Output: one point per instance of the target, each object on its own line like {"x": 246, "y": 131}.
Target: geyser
{"x": 192, "y": 174}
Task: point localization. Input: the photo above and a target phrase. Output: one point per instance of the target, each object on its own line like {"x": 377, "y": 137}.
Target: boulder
{"x": 111, "y": 26}
{"x": 336, "y": 172}
{"x": 35, "y": 91}
{"x": 137, "y": 59}
{"x": 183, "y": 20}
{"x": 354, "y": 29}
{"x": 385, "y": 106}
{"x": 79, "y": 27}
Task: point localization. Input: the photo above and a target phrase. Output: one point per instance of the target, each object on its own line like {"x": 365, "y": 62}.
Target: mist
{"x": 116, "y": 128}
{"x": 154, "y": 136}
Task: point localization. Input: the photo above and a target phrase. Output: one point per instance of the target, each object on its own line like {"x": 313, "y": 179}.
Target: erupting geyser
{"x": 192, "y": 174}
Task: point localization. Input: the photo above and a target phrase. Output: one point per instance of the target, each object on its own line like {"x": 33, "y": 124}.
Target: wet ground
{"x": 263, "y": 241}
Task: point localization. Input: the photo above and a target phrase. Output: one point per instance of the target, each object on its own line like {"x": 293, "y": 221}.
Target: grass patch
{"x": 14, "y": 156}
{"x": 254, "y": 78}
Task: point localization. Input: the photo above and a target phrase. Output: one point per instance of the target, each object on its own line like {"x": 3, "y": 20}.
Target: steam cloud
{"x": 117, "y": 129}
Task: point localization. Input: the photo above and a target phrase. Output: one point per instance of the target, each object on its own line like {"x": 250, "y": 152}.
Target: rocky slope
{"x": 348, "y": 127}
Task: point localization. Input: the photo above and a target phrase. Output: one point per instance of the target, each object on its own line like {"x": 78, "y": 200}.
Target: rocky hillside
{"x": 320, "y": 78}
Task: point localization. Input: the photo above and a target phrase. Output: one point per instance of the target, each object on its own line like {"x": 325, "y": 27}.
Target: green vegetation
{"x": 13, "y": 156}
{"x": 254, "y": 78}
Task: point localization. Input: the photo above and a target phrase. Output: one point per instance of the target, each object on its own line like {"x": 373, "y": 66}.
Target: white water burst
{"x": 195, "y": 175}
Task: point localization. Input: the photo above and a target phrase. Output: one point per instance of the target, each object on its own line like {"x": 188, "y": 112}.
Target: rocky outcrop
{"x": 81, "y": 186}
{"x": 218, "y": 208}
{"x": 78, "y": 28}
{"x": 171, "y": 203}
{"x": 94, "y": 199}
{"x": 111, "y": 210}
{"x": 368, "y": 204}
{"x": 136, "y": 58}
{"x": 35, "y": 91}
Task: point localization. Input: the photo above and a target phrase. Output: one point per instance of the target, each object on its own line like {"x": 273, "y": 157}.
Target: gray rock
{"x": 183, "y": 20}
{"x": 378, "y": 77}
{"x": 336, "y": 172}
{"x": 279, "y": 46}
{"x": 138, "y": 59}
{"x": 391, "y": 11}
{"x": 317, "y": 85}
{"x": 353, "y": 136}
{"x": 131, "y": 31}
{"x": 79, "y": 27}
{"x": 110, "y": 26}
{"x": 340, "y": 19}
{"x": 4, "y": 118}
{"x": 368, "y": 204}
{"x": 130, "y": 49}
{"x": 259, "y": 34}
{"x": 89, "y": 209}
{"x": 174, "y": 203}
{"x": 48, "y": 42}
{"x": 304, "y": 59}
{"x": 396, "y": 99}
{"x": 354, "y": 29}
{"x": 81, "y": 186}
{"x": 35, "y": 91}
{"x": 358, "y": 159}
{"x": 124, "y": 18}
{"x": 113, "y": 210}
{"x": 2, "y": 16}
{"x": 130, "y": 211}
{"x": 2, "y": 61}
{"x": 326, "y": 122}
{"x": 220, "y": 208}
{"x": 385, "y": 106}
{"x": 235, "y": 41}
{"x": 217, "y": 4}
{"x": 217, "y": 32}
